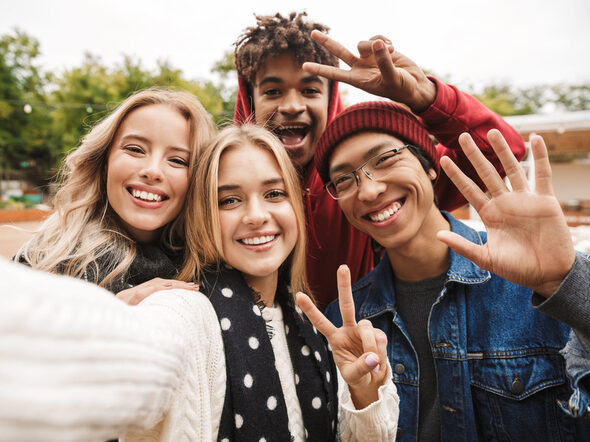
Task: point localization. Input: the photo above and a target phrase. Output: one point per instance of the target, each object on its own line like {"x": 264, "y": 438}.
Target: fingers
{"x": 543, "y": 183}
{"x": 367, "y": 335}
{"x": 383, "y": 59}
{"x": 484, "y": 168}
{"x": 471, "y": 191}
{"x": 513, "y": 170}
{"x": 334, "y": 47}
{"x": 135, "y": 295}
{"x": 329, "y": 72}
{"x": 345, "y": 296}
{"x": 365, "y": 47}
{"x": 317, "y": 318}
{"x": 462, "y": 246}
{"x": 371, "y": 360}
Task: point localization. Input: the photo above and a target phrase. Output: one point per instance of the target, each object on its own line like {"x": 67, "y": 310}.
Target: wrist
{"x": 362, "y": 397}
{"x": 424, "y": 96}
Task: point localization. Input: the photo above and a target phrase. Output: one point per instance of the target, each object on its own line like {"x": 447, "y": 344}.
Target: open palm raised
{"x": 529, "y": 242}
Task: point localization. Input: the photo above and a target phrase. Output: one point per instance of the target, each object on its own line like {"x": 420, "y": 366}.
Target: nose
{"x": 292, "y": 103}
{"x": 256, "y": 214}
{"x": 368, "y": 189}
{"x": 152, "y": 169}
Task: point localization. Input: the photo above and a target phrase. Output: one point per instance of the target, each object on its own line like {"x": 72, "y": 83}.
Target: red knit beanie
{"x": 373, "y": 116}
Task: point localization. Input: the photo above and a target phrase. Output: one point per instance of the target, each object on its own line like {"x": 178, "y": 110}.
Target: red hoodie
{"x": 331, "y": 240}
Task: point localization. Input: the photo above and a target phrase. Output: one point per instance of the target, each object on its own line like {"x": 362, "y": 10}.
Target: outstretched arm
{"x": 529, "y": 242}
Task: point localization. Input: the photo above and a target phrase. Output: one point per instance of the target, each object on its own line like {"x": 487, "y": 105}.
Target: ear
{"x": 432, "y": 174}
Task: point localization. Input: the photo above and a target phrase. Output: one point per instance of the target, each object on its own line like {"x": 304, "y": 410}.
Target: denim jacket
{"x": 498, "y": 364}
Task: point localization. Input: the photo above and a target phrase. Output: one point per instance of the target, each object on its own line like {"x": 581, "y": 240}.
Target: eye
{"x": 343, "y": 181}
{"x": 385, "y": 160}
{"x": 272, "y": 92}
{"x": 179, "y": 161}
{"x": 228, "y": 202}
{"x": 133, "y": 148}
{"x": 276, "y": 195}
{"x": 311, "y": 91}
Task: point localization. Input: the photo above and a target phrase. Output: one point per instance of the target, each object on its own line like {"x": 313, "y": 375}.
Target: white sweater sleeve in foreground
{"x": 376, "y": 422}
{"x": 78, "y": 364}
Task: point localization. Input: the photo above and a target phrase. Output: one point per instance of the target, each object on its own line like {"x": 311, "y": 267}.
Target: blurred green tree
{"x": 24, "y": 125}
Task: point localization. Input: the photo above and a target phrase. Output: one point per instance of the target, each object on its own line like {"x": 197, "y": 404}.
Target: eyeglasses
{"x": 376, "y": 168}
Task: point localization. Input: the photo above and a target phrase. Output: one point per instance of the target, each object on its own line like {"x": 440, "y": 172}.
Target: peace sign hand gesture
{"x": 359, "y": 349}
{"x": 378, "y": 70}
{"x": 529, "y": 242}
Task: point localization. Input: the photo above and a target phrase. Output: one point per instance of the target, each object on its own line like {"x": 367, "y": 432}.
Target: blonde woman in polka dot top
{"x": 243, "y": 363}
{"x": 246, "y": 231}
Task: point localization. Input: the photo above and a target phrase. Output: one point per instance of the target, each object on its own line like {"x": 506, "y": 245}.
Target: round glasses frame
{"x": 331, "y": 187}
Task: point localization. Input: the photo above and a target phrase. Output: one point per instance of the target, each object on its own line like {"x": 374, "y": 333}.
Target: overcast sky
{"x": 470, "y": 42}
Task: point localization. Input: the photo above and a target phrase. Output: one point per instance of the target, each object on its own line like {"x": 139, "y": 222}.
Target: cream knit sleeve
{"x": 376, "y": 422}
{"x": 78, "y": 364}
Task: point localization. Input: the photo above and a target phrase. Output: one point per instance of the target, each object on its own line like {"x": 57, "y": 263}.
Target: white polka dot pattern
{"x": 271, "y": 403}
{"x": 253, "y": 343}
{"x": 316, "y": 403}
{"x": 248, "y": 380}
{"x": 305, "y": 350}
{"x": 225, "y": 324}
{"x": 227, "y": 292}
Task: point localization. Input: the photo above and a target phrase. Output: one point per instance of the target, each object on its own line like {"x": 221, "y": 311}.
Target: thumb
{"x": 367, "y": 363}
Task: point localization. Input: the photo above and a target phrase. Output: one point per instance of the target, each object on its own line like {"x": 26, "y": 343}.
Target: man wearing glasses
{"x": 472, "y": 359}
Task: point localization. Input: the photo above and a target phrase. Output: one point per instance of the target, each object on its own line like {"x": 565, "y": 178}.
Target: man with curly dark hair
{"x": 296, "y": 99}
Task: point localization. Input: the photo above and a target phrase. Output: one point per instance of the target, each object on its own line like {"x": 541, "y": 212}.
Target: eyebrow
{"x": 368, "y": 154}
{"x": 270, "y": 181}
{"x": 307, "y": 79}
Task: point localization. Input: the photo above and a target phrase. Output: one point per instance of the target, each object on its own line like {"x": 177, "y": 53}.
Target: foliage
{"x": 23, "y": 127}
{"x": 507, "y": 100}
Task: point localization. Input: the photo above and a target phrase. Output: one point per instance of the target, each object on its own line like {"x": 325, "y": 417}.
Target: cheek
{"x": 226, "y": 227}
{"x": 289, "y": 225}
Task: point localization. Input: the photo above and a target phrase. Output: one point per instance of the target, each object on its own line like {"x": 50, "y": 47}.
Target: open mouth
{"x": 257, "y": 240}
{"x": 146, "y": 196}
{"x": 291, "y": 135}
{"x": 386, "y": 213}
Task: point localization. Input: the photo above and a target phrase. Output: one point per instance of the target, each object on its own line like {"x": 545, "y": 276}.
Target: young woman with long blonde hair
{"x": 119, "y": 212}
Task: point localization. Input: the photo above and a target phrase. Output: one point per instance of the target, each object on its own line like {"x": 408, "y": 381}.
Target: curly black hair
{"x": 274, "y": 35}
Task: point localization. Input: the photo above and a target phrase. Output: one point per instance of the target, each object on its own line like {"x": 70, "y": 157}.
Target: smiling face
{"x": 394, "y": 209}
{"x": 293, "y": 104}
{"x": 147, "y": 170}
{"x": 257, "y": 221}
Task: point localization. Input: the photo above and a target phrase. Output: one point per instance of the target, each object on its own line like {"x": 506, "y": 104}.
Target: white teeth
{"x": 258, "y": 240}
{"x": 386, "y": 214}
{"x": 147, "y": 196}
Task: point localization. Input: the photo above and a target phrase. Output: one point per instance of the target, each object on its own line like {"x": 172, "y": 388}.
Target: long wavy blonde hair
{"x": 204, "y": 248}
{"x": 84, "y": 228}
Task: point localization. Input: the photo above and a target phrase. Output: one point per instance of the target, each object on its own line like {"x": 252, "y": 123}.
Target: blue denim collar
{"x": 381, "y": 293}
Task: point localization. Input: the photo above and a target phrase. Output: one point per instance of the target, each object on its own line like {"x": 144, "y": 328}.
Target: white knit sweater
{"x": 77, "y": 364}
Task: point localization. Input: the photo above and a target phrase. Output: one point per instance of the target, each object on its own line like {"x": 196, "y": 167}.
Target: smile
{"x": 385, "y": 214}
{"x": 146, "y": 196}
{"x": 258, "y": 240}
{"x": 291, "y": 135}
